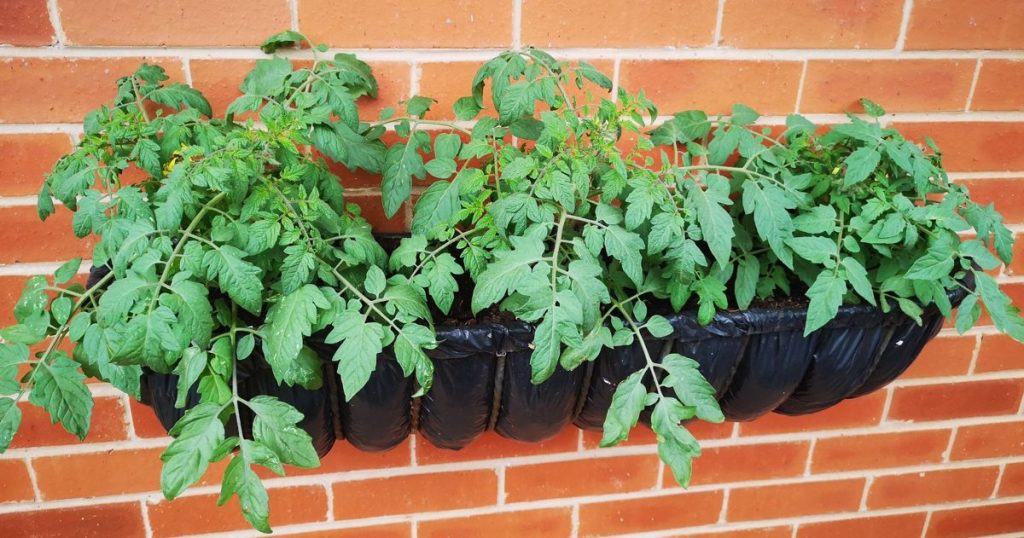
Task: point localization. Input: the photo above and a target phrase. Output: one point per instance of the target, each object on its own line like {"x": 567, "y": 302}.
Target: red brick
{"x": 200, "y": 514}
{"x": 932, "y": 487}
{"x": 878, "y": 450}
{"x": 897, "y": 85}
{"x": 52, "y": 240}
{"x": 999, "y": 352}
{"x": 769, "y": 532}
{"x": 954, "y": 400}
{"x": 650, "y": 514}
{"x": 36, "y": 429}
{"x": 946, "y": 355}
{"x": 798, "y": 24}
{"x": 648, "y": 23}
{"x": 857, "y": 412}
{"x": 144, "y": 420}
{"x": 406, "y": 23}
{"x": 373, "y": 211}
{"x": 641, "y": 435}
{"x": 110, "y": 473}
{"x": 1006, "y": 194}
{"x": 591, "y": 476}
{"x": 977, "y": 521}
{"x": 740, "y": 463}
{"x": 187, "y": 23}
{"x": 769, "y": 87}
{"x": 790, "y": 500}
{"x": 447, "y": 82}
{"x": 965, "y": 24}
{"x": 26, "y": 159}
{"x": 973, "y": 146}
{"x": 999, "y": 83}
{"x": 492, "y": 446}
{"x": 411, "y": 494}
{"x": 989, "y": 441}
{"x": 547, "y": 522}
{"x": 1012, "y": 482}
{"x": 53, "y": 90}
{"x": 395, "y": 530}
{"x": 25, "y": 23}
{"x": 97, "y": 521}
{"x": 898, "y": 525}
{"x": 15, "y": 484}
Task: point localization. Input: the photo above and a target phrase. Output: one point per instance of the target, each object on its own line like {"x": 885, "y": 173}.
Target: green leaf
{"x": 297, "y": 267}
{"x": 401, "y": 163}
{"x": 814, "y": 249}
{"x": 1005, "y": 316}
{"x": 193, "y": 363}
{"x": 287, "y": 38}
{"x": 10, "y": 420}
{"x": 858, "y": 278}
{"x": 592, "y": 74}
{"x": 676, "y": 445}
{"x": 826, "y": 295}
{"x": 235, "y": 276}
{"x": 375, "y": 281}
{"x": 267, "y": 77}
{"x": 659, "y": 327}
{"x": 748, "y": 270}
{"x": 67, "y": 270}
{"x": 466, "y": 108}
{"x": 625, "y": 247}
{"x": 289, "y": 322}
{"x": 361, "y": 342}
{"x": 691, "y": 387}
{"x": 437, "y": 205}
{"x": 715, "y": 223}
{"x": 241, "y": 480}
{"x": 506, "y": 272}
{"x": 515, "y": 102}
{"x": 276, "y": 426}
{"x": 860, "y": 165}
{"x": 967, "y": 313}
{"x": 935, "y": 264}
{"x": 197, "y": 435}
{"x": 743, "y": 115}
{"x": 871, "y": 108}
{"x": 624, "y": 412}
{"x": 59, "y": 387}
{"x": 418, "y": 105}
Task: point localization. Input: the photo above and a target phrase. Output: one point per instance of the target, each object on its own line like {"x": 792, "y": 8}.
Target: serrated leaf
{"x": 624, "y": 412}
{"x": 10, "y": 421}
{"x": 289, "y": 322}
{"x": 858, "y": 277}
{"x": 276, "y": 426}
{"x": 59, "y": 387}
{"x": 197, "y": 435}
{"x": 691, "y": 388}
{"x": 826, "y": 295}
{"x": 676, "y": 445}
{"x": 67, "y": 270}
{"x": 860, "y": 165}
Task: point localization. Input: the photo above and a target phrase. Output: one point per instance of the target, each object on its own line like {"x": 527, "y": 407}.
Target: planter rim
{"x": 456, "y": 340}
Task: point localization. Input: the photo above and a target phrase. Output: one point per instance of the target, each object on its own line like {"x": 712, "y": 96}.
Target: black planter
{"x": 758, "y": 360}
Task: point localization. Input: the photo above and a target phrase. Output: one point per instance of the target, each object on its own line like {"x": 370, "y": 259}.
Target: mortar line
{"x": 974, "y": 85}
{"x": 53, "y": 12}
{"x": 146, "y": 523}
{"x": 33, "y": 479}
{"x": 999, "y": 481}
{"x": 517, "y": 24}
{"x": 293, "y": 13}
{"x": 927, "y": 523}
{"x": 719, "y": 19}
{"x": 800, "y": 87}
{"x": 864, "y": 495}
{"x": 901, "y": 39}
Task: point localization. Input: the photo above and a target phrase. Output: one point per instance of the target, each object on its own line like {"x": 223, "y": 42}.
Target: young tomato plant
{"x": 236, "y": 236}
{"x": 535, "y": 201}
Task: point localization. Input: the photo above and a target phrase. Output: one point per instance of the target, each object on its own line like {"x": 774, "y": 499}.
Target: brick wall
{"x": 939, "y": 453}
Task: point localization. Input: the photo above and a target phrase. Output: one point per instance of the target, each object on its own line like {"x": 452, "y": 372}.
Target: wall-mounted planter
{"x": 758, "y": 360}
